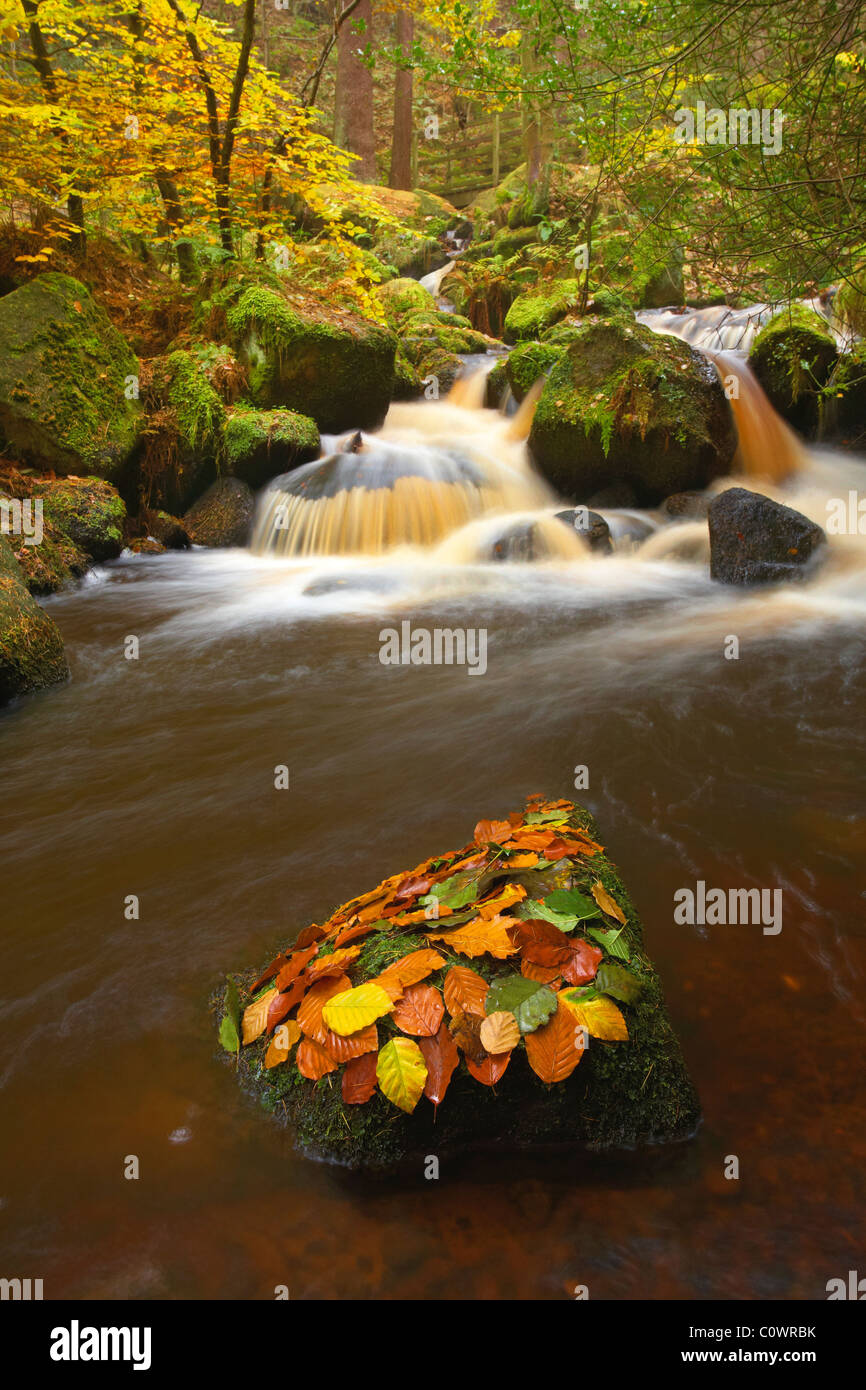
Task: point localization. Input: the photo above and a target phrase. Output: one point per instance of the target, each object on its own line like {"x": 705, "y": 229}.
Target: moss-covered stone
{"x": 624, "y": 404}
{"x": 792, "y": 357}
{"x": 497, "y": 385}
{"x": 88, "y": 511}
{"x": 528, "y": 363}
{"x": 168, "y": 531}
{"x": 402, "y": 297}
{"x": 223, "y": 516}
{"x": 537, "y": 309}
{"x": 622, "y": 1094}
{"x": 261, "y": 444}
{"x": 335, "y": 367}
{"x": 407, "y": 382}
{"x": 845, "y": 403}
{"x": 31, "y": 648}
{"x": 67, "y": 381}
{"x": 437, "y": 369}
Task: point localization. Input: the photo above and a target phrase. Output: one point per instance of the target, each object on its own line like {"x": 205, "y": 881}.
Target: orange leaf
{"x": 555, "y": 1050}
{"x": 255, "y": 1017}
{"x": 500, "y": 1032}
{"x": 281, "y": 1044}
{"x": 489, "y": 1070}
{"x": 420, "y": 1011}
{"x": 310, "y": 1012}
{"x": 415, "y": 966}
{"x": 283, "y": 1003}
{"x": 607, "y": 903}
{"x": 359, "y": 1079}
{"x": 465, "y": 991}
{"x": 492, "y": 831}
{"x": 344, "y": 1049}
{"x": 523, "y": 861}
{"x": 355, "y": 932}
{"x": 332, "y": 965}
{"x": 309, "y": 935}
{"x": 441, "y": 1057}
{"x": 479, "y": 937}
{"x": 544, "y": 974}
{"x": 313, "y": 1061}
{"x": 295, "y": 963}
{"x": 512, "y": 893}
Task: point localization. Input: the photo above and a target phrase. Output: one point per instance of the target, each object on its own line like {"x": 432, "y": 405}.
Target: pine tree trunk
{"x": 353, "y": 102}
{"x": 401, "y": 140}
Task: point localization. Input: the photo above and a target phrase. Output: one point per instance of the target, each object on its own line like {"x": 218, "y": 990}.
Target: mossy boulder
{"x": 528, "y": 363}
{"x": 625, "y": 405}
{"x": 31, "y": 648}
{"x": 168, "y": 531}
{"x": 533, "y": 312}
{"x": 331, "y": 365}
{"x": 67, "y": 381}
{"x": 195, "y": 416}
{"x": 591, "y": 1061}
{"x": 845, "y": 415}
{"x": 261, "y": 444}
{"x": 792, "y": 357}
{"x": 89, "y": 512}
{"x": 407, "y": 382}
{"x": 438, "y": 369}
{"x": 404, "y": 296}
{"x": 223, "y": 516}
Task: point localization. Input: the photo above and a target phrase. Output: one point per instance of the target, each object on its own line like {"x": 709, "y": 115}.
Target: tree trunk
{"x": 353, "y": 102}
{"x": 536, "y": 122}
{"x": 401, "y": 139}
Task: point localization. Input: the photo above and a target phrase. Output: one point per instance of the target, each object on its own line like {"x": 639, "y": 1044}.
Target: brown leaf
{"x": 343, "y": 1049}
{"x": 420, "y": 1011}
{"x": 555, "y": 1050}
{"x": 583, "y": 962}
{"x": 359, "y": 1079}
{"x": 606, "y": 902}
{"x": 333, "y": 964}
{"x": 544, "y": 974}
{"x": 275, "y": 966}
{"x": 411, "y": 968}
{"x": 313, "y": 1061}
{"x": 283, "y": 1003}
{"x": 465, "y": 991}
{"x": 441, "y": 1057}
{"x": 489, "y": 1070}
{"x": 500, "y": 1032}
{"x": 295, "y": 963}
{"x": 413, "y": 886}
{"x": 465, "y": 1029}
{"x": 492, "y": 832}
{"x": 479, "y": 938}
{"x": 310, "y": 1012}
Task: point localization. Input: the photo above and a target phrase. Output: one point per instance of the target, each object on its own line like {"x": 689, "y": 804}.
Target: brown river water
{"x": 156, "y": 778}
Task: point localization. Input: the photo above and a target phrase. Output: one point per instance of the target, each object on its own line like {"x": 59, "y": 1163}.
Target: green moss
{"x": 792, "y": 357}
{"x": 407, "y": 383}
{"x": 197, "y": 407}
{"x": 65, "y": 375}
{"x": 404, "y": 296}
{"x": 260, "y": 444}
{"x": 536, "y": 310}
{"x": 528, "y": 363}
{"x": 31, "y": 648}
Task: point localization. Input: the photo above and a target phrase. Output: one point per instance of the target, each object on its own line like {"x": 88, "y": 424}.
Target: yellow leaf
{"x": 606, "y": 903}
{"x": 401, "y": 1073}
{"x": 256, "y": 1016}
{"x": 353, "y": 1009}
{"x": 284, "y": 1039}
{"x": 500, "y": 1032}
{"x": 600, "y": 1017}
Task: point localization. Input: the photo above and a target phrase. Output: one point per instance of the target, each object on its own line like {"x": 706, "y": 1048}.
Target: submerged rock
{"x": 67, "y": 381}
{"x": 626, "y": 405}
{"x": 223, "y": 516}
{"x": 591, "y": 525}
{"x": 31, "y": 648}
{"x": 754, "y": 540}
{"x": 497, "y": 995}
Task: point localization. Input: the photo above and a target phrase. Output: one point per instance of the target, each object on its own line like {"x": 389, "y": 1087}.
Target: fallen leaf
{"x": 512, "y": 893}
{"x": 555, "y": 1050}
{"x": 492, "y": 832}
{"x": 599, "y": 1016}
{"x": 531, "y": 1003}
{"x": 354, "y": 933}
{"x": 256, "y": 1017}
{"x": 359, "y": 1079}
{"x": 352, "y": 1009}
{"x": 344, "y": 1049}
{"x": 500, "y": 1032}
{"x": 465, "y": 1029}
{"x": 313, "y": 1061}
{"x": 544, "y": 974}
{"x": 606, "y": 902}
{"x": 479, "y": 937}
{"x": 309, "y": 935}
{"x": 441, "y": 1058}
{"x": 465, "y": 991}
{"x": 489, "y": 1070}
{"x": 281, "y": 1043}
{"x": 317, "y": 996}
{"x": 333, "y": 964}
{"x": 294, "y": 964}
{"x": 415, "y": 966}
{"x": 420, "y": 1011}
{"x": 284, "y": 1002}
{"x": 622, "y": 984}
{"x": 582, "y": 963}
{"x": 401, "y": 1073}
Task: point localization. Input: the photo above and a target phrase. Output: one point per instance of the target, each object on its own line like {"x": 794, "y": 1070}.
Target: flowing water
{"x": 155, "y": 777}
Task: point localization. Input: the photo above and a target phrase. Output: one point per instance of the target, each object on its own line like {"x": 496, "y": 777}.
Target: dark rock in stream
{"x": 591, "y": 525}
{"x": 223, "y": 516}
{"x": 631, "y": 1086}
{"x": 754, "y": 540}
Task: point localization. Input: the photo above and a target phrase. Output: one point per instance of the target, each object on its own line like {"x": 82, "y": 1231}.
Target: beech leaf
{"x": 353, "y": 1009}
{"x": 402, "y": 1073}
{"x": 531, "y": 1003}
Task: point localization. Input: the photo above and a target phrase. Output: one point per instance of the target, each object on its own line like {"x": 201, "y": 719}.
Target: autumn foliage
{"x": 549, "y": 970}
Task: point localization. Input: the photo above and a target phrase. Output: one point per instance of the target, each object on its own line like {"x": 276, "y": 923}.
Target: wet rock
{"x": 539, "y": 308}
{"x": 754, "y": 540}
{"x": 686, "y": 506}
{"x": 87, "y": 511}
{"x": 262, "y": 444}
{"x": 168, "y": 530}
{"x": 31, "y": 648}
{"x": 626, "y": 405}
{"x": 591, "y": 526}
{"x": 334, "y": 366}
{"x": 223, "y": 516}
{"x": 65, "y": 372}
{"x": 146, "y": 545}
{"x": 529, "y": 363}
{"x": 792, "y": 357}
{"x": 615, "y": 495}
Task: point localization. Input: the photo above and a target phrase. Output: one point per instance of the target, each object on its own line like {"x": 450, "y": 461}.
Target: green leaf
{"x": 572, "y": 903}
{"x": 610, "y": 941}
{"x": 547, "y": 818}
{"x": 454, "y": 892}
{"x": 229, "y": 1034}
{"x": 622, "y": 984}
{"x": 531, "y": 1003}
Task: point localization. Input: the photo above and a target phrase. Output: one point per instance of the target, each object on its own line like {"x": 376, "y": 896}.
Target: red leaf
{"x": 441, "y": 1057}
{"x": 583, "y": 962}
{"x": 354, "y": 933}
{"x": 285, "y": 1002}
{"x": 490, "y": 1069}
{"x": 359, "y": 1079}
